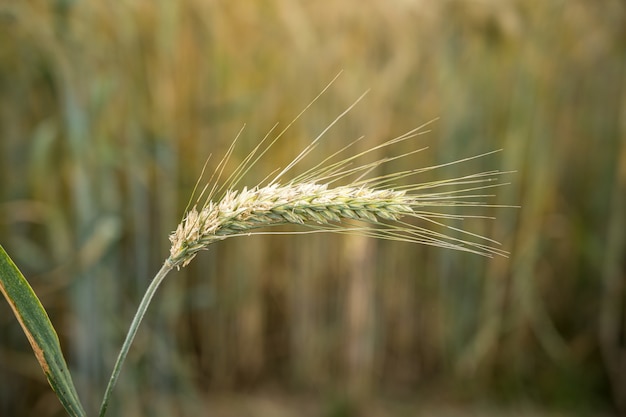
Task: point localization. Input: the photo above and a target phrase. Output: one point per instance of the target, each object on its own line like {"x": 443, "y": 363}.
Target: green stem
{"x": 132, "y": 331}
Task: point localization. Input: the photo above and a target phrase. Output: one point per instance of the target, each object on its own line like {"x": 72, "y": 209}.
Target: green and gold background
{"x": 108, "y": 111}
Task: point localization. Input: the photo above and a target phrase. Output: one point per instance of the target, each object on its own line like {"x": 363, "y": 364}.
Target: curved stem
{"x": 132, "y": 331}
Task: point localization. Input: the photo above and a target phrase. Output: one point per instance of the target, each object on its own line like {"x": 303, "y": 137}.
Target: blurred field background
{"x": 108, "y": 111}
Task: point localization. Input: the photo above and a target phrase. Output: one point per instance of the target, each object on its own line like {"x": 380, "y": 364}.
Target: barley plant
{"x": 340, "y": 194}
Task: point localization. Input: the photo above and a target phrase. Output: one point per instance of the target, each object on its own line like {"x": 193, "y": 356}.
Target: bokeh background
{"x": 108, "y": 111}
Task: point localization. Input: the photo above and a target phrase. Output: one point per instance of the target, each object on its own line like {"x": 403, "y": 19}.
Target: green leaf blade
{"x": 40, "y": 333}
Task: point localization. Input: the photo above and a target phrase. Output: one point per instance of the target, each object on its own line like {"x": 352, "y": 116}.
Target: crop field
{"x": 109, "y": 111}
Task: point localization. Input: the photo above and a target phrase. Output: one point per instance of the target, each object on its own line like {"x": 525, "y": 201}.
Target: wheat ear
{"x": 312, "y": 200}
{"x": 317, "y": 205}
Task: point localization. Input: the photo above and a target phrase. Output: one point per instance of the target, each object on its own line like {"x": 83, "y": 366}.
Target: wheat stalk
{"x": 376, "y": 206}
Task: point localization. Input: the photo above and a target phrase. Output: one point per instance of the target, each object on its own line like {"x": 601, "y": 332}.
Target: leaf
{"x": 40, "y": 333}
